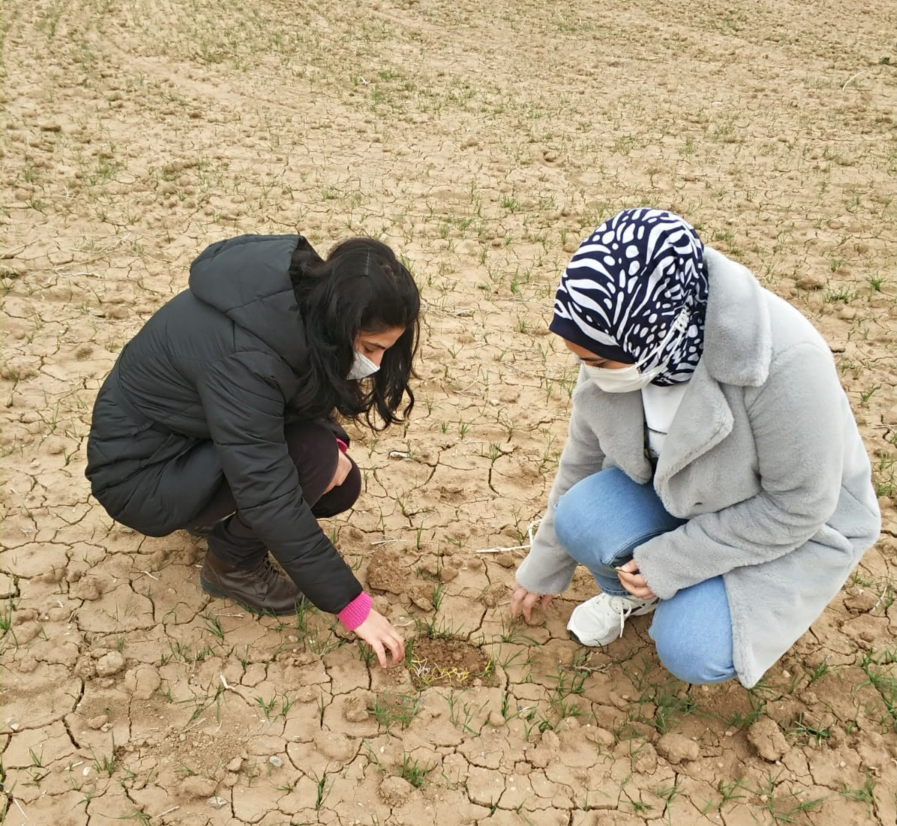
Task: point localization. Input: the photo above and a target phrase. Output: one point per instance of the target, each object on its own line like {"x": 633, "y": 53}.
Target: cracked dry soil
{"x": 483, "y": 143}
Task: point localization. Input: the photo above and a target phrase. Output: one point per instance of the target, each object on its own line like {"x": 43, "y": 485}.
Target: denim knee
{"x": 603, "y": 517}
{"x": 568, "y": 528}
{"x": 693, "y": 633}
{"x": 689, "y": 661}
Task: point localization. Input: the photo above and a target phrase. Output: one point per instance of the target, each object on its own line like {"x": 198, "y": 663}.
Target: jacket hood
{"x": 247, "y": 278}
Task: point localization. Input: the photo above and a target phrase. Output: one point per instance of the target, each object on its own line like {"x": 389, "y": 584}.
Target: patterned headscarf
{"x": 626, "y": 285}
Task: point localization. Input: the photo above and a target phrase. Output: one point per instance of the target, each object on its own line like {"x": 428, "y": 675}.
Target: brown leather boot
{"x": 262, "y": 590}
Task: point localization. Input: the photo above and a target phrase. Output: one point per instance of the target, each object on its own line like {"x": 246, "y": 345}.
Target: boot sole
{"x": 219, "y": 593}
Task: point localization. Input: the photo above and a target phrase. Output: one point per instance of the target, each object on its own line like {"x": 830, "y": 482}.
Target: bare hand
{"x": 343, "y": 467}
{"x": 633, "y": 581}
{"x": 379, "y": 634}
{"x": 523, "y": 602}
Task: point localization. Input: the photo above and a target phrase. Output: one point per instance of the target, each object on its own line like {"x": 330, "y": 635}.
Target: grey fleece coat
{"x": 763, "y": 459}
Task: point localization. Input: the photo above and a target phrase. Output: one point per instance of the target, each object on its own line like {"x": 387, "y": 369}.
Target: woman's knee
{"x": 568, "y": 525}
{"x": 692, "y": 662}
{"x": 309, "y": 440}
{"x": 693, "y": 633}
{"x": 315, "y": 452}
{"x": 340, "y": 498}
{"x": 603, "y": 517}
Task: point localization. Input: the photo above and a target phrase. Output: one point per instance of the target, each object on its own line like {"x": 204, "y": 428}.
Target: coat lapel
{"x": 703, "y": 420}
{"x": 737, "y": 348}
{"x": 620, "y": 425}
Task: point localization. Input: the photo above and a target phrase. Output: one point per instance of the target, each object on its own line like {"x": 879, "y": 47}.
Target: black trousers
{"x": 314, "y": 451}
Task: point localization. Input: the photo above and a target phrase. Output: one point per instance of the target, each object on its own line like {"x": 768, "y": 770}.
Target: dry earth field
{"x": 483, "y": 141}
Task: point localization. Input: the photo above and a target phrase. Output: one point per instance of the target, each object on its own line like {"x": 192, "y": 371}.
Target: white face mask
{"x": 362, "y": 367}
{"x": 627, "y": 379}
{"x": 623, "y": 379}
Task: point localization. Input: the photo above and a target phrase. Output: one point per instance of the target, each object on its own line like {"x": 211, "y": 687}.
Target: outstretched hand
{"x": 378, "y": 633}
{"x": 523, "y": 602}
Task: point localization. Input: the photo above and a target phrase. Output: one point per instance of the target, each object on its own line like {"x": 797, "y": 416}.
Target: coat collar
{"x": 737, "y": 333}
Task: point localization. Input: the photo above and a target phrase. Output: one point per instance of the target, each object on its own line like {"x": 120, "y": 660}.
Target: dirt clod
{"x": 675, "y": 748}
{"x": 394, "y": 791}
{"x": 197, "y": 787}
{"x": 387, "y": 572}
{"x": 109, "y": 664}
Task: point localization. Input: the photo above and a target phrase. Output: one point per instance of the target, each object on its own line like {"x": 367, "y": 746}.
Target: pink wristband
{"x": 356, "y": 612}
{"x": 343, "y": 447}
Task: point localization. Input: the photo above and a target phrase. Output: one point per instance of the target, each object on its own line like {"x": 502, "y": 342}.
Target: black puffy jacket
{"x": 202, "y": 392}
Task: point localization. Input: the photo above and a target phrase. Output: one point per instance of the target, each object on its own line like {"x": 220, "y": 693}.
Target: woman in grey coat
{"x": 713, "y": 473}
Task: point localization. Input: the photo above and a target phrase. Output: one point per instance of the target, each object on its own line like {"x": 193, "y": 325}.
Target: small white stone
{"x": 217, "y": 802}
{"x": 275, "y": 761}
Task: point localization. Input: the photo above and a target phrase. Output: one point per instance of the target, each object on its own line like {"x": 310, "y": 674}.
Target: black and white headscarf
{"x": 626, "y": 285}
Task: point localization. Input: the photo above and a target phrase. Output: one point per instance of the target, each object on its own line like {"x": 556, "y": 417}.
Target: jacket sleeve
{"x": 244, "y": 408}
{"x": 797, "y": 423}
{"x": 548, "y": 568}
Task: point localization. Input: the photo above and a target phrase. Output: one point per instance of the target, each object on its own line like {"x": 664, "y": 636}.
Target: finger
{"x": 546, "y": 599}
{"x": 400, "y": 653}
{"x": 632, "y": 589}
{"x": 531, "y": 601}
{"x": 630, "y": 566}
{"x": 397, "y": 647}
{"x": 380, "y": 652}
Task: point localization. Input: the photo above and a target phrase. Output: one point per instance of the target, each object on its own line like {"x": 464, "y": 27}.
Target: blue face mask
{"x": 362, "y": 367}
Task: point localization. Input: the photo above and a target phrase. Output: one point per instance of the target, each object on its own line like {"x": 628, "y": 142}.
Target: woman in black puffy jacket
{"x": 219, "y": 416}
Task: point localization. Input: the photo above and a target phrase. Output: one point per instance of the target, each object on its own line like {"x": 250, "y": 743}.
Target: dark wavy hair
{"x": 360, "y": 287}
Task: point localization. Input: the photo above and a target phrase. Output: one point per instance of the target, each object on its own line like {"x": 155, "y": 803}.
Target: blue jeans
{"x": 600, "y": 522}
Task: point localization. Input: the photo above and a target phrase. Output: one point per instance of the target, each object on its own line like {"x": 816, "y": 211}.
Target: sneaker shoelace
{"x": 623, "y": 606}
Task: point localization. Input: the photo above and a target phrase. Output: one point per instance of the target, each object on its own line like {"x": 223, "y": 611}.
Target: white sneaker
{"x": 600, "y": 620}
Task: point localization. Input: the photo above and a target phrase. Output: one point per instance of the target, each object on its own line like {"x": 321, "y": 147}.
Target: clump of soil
{"x": 446, "y": 662}
{"x": 387, "y": 571}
